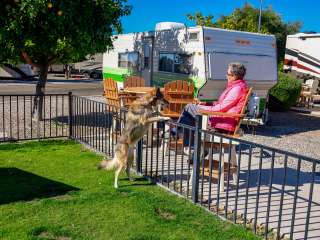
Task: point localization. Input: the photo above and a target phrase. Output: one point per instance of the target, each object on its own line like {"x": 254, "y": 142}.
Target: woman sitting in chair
{"x": 231, "y": 100}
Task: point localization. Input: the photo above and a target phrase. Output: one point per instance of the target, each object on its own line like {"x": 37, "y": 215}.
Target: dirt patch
{"x": 62, "y": 197}
{"x": 164, "y": 214}
{"x": 125, "y": 194}
{"x": 45, "y": 235}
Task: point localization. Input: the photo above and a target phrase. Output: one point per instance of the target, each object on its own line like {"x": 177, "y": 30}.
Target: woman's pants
{"x": 188, "y": 118}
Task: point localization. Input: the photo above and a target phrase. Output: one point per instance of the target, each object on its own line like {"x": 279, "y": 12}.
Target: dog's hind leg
{"x": 130, "y": 162}
{"x": 117, "y": 176}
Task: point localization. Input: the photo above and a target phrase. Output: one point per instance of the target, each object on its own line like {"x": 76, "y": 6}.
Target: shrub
{"x": 285, "y": 93}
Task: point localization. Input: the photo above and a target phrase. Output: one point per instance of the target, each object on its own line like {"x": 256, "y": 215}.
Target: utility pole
{"x": 260, "y": 12}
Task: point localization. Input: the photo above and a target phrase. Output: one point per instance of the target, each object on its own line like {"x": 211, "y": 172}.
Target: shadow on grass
{"x": 136, "y": 182}
{"x": 19, "y": 185}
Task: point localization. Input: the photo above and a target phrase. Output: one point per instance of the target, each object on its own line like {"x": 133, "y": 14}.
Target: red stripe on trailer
{"x": 290, "y": 62}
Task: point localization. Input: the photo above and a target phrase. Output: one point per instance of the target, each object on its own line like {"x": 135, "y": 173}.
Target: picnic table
{"x": 139, "y": 90}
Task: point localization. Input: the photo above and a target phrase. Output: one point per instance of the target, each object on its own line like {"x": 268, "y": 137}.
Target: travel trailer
{"x": 199, "y": 54}
{"x": 302, "y": 56}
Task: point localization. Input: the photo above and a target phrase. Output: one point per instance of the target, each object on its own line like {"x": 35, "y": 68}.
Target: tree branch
{"x": 51, "y": 59}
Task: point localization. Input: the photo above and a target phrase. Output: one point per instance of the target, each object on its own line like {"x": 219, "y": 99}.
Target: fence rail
{"x": 18, "y": 122}
{"x": 268, "y": 190}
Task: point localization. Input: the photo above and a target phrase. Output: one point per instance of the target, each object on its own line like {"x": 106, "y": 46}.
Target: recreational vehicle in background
{"x": 20, "y": 71}
{"x": 199, "y": 54}
{"x": 91, "y": 67}
{"x": 302, "y": 56}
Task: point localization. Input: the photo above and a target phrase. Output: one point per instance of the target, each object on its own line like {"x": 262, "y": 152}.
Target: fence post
{"x": 196, "y": 159}
{"x": 70, "y": 114}
{"x": 139, "y": 156}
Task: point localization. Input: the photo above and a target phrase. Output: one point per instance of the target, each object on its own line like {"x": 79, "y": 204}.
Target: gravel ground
{"x": 290, "y": 131}
{"x": 17, "y": 123}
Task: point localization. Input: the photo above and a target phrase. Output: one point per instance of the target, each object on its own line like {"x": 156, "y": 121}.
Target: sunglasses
{"x": 230, "y": 75}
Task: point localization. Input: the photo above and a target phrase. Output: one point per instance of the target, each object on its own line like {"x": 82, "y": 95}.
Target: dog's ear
{"x": 146, "y": 99}
{"x": 159, "y": 93}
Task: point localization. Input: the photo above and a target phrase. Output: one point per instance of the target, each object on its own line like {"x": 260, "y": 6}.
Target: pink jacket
{"x": 231, "y": 101}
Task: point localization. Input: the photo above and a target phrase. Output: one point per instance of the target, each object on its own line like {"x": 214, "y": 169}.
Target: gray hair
{"x": 237, "y": 69}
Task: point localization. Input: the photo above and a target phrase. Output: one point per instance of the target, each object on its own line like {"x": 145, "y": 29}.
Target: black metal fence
{"x": 18, "y": 122}
{"x": 273, "y": 192}
{"x": 96, "y": 124}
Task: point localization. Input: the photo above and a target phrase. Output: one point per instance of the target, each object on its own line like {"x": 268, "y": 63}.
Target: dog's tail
{"x": 108, "y": 164}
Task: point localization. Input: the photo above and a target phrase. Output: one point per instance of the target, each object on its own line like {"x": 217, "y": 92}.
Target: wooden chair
{"x": 115, "y": 101}
{"x": 309, "y": 89}
{"x": 178, "y": 93}
{"x": 111, "y": 93}
{"x": 215, "y": 142}
{"x": 114, "y": 98}
{"x": 134, "y": 81}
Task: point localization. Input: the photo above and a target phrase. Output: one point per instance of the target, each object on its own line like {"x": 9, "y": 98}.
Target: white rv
{"x": 200, "y": 54}
{"x": 303, "y": 54}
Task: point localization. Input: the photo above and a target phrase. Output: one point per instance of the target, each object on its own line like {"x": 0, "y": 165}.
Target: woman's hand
{"x": 196, "y": 100}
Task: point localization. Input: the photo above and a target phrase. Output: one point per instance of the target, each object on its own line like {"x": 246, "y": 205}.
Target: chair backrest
{"x": 111, "y": 92}
{"x": 178, "y": 93}
{"x": 243, "y": 110}
{"x": 313, "y": 84}
{"x": 134, "y": 81}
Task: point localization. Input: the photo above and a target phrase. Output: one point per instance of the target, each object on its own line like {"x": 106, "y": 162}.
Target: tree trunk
{"x": 37, "y": 112}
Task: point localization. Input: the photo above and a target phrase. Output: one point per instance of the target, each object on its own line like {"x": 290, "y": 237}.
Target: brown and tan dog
{"x": 139, "y": 118}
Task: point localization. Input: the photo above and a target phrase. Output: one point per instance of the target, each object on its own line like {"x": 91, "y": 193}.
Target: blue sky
{"x": 146, "y": 13}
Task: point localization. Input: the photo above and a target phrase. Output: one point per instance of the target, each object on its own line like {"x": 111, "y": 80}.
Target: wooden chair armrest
{"x": 182, "y": 101}
{"x": 179, "y": 92}
{"x": 170, "y": 115}
{"x": 126, "y": 96}
{"x": 223, "y": 114}
{"x": 122, "y": 93}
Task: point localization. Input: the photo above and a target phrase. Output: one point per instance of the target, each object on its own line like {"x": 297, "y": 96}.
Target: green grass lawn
{"x": 52, "y": 190}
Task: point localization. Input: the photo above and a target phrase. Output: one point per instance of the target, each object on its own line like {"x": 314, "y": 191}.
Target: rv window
{"x": 181, "y": 63}
{"x": 166, "y": 62}
{"x": 193, "y": 36}
{"x": 128, "y": 60}
{"x": 174, "y": 62}
{"x": 146, "y": 53}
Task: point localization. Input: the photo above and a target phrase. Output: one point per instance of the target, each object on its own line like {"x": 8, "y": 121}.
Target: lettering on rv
{"x": 243, "y": 42}
{"x": 208, "y": 39}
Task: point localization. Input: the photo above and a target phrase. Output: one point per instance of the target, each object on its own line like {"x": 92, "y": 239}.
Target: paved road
{"x": 82, "y": 87}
